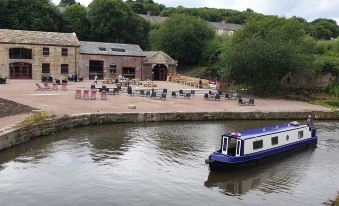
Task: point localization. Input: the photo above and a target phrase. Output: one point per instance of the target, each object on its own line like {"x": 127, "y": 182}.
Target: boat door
{"x": 238, "y": 148}
{"x": 224, "y": 145}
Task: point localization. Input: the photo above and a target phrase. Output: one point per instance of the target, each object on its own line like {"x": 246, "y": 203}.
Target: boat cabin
{"x": 267, "y": 138}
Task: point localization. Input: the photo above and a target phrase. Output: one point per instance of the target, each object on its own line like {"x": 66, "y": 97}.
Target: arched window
{"x": 20, "y": 53}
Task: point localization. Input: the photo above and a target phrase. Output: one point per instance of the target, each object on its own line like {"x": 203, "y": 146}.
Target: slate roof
{"x": 214, "y": 25}
{"x": 38, "y": 37}
{"x": 149, "y": 54}
{"x": 87, "y": 47}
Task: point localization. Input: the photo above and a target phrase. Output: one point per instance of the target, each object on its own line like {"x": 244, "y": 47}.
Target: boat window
{"x": 232, "y": 144}
{"x": 224, "y": 145}
{"x": 274, "y": 140}
{"x": 238, "y": 147}
{"x": 287, "y": 137}
{"x": 300, "y": 134}
{"x": 258, "y": 144}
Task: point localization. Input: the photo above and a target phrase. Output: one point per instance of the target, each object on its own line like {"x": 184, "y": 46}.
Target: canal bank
{"x": 20, "y": 134}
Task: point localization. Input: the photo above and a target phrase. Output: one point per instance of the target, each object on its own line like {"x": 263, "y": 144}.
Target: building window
{"x": 118, "y": 50}
{"x": 64, "y": 52}
{"x": 274, "y": 140}
{"x": 64, "y": 68}
{"x": 102, "y": 49}
{"x": 20, "y": 53}
{"x": 45, "y": 68}
{"x": 257, "y": 144}
{"x": 45, "y": 51}
{"x": 113, "y": 68}
{"x": 300, "y": 134}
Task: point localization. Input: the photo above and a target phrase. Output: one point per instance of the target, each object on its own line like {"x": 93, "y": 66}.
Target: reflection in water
{"x": 161, "y": 164}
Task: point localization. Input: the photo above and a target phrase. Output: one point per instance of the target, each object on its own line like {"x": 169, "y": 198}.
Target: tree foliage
{"x": 39, "y": 15}
{"x": 265, "y": 50}
{"x": 145, "y": 6}
{"x": 114, "y": 21}
{"x": 65, "y": 3}
{"x": 76, "y": 20}
{"x": 324, "y": 29}
{"x": 184, "y": 38}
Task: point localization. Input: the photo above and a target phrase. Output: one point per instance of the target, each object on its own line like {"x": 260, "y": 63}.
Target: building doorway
{"x": 96, "y": 68}
{"x": 128, "y": 72}
{"x": 20, "y": 70}
{"x": 160, "y": 72}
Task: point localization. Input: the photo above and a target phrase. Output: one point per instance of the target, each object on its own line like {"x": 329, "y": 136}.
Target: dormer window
{"x": 118, "y": 50}
{"x": 102, "y": 49}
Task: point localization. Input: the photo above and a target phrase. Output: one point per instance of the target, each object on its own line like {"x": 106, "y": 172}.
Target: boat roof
{"x": 248, "y": 134}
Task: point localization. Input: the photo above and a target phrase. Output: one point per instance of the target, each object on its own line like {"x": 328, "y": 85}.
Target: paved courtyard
{"x": 64, "y": 102}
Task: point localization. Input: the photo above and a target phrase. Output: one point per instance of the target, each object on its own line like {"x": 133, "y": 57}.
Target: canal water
{"x": 162, "y": 164}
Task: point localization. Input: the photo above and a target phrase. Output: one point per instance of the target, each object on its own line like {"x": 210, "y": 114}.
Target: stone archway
{"x": 160, "y": 72}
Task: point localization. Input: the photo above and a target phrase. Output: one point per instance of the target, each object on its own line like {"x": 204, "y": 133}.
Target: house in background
{"x": 33, "y": 54}
{"x": 219, "y": 27}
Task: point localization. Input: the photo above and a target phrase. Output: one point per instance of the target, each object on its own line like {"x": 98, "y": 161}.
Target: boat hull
{"x": 217, "y": 164}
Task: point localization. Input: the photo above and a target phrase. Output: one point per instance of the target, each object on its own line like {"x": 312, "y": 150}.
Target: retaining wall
{"x": 22, "y": 134}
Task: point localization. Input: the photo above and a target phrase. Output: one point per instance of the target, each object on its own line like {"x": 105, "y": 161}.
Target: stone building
{"x": 33, "y": 54}
{"x": 111, "y": 60}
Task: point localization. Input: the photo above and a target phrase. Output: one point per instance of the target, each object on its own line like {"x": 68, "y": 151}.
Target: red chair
{"x": 85, "y": 94}
{"x": 103, "y": 95}
{"x": 47, "y": 86}
{"x": 55, "y": 87}
{"x": 40, "y": 88}
{"x": 64, "y": 87}
{"x": 78, "y": 94}
{"x": 93, "y": 94}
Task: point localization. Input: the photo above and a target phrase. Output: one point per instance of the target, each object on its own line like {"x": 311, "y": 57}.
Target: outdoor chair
{"x": 47, "y": 87}
{"x": 227, "y": 96}
{"x": 241, "y": 102}
{"x": 55, "y": 87}
{"x": 181, "y": 93}
{"x": 64, "y": 87}
{"x": 153, "y": 95}
{"x": 85, "y": 94}
{"x": 93, "y": 94}
{"x": 64, "y": 81}
{"x": 251, "y": 102}
{"x": 220, "y": 92}
{"x": 40, "y": 88}
{"x": 148, "y": 93}
{"x": 205, "y": 96}
{"x": 217, "y": 97}
{"x": 193, "y": 92}
{"x": 78, "y": 94}
{"x": 164, "y": 91}
{"x": 174, "y": 95}
{"x": 163, "y": 96}
{"x": 104, "y": 88}
{"x": 92, "y": 86}
{"x": 115, "y": 91}
{"x": 187, "y": 95}
{"x": 103, "y": 95}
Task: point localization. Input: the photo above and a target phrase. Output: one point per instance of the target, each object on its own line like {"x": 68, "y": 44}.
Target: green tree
{"x": 40, "y": 15}
{"x": 184, "y": 38}
{"x": 65, "y": 3}
{"x": 265, "y": 50}
{"x": 76, "y": 20}
{"x": 114, "y": 21}
{"x": 324, "y": 29}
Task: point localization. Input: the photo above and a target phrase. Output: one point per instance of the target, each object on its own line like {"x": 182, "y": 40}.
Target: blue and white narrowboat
{"x": 244, "y": 148}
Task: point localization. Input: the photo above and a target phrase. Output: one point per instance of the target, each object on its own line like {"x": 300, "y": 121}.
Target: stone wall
{"x": 25, "y": 133}
{"x": 55, "y": 59}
